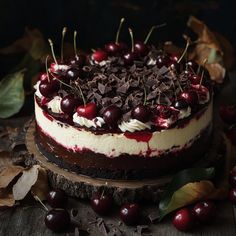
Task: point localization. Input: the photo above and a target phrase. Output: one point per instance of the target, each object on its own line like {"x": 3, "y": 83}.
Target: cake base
{"x": 122, "y": 190}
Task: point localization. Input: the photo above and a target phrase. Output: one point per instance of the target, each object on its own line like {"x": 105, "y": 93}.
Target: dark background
{"x": 97, "y": 20}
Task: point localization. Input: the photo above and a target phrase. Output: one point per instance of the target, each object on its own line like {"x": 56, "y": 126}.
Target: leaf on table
{"x": 8, "y": 174}
{"x": 191, "y": 193}
{"x": 178, "y": 181}
{"x": 207, "y": 47}
{"x": 5, "y": 159}
{"x": 32, "y": 42}
{"x": 6, "y": 198}
{"x": 29, "y": 178}
{"x": 41, "y": 188}
{"x": 11, "y": 94}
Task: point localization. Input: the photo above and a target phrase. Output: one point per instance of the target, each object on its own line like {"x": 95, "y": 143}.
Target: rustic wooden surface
{"x": 28, "y": 218}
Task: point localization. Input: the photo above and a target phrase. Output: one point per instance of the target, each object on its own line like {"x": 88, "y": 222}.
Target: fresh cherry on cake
{"x": 99, "y": 55}
{"x": 69, "y": 103}
{"x": 195, "y": 79}
{"x": 129, "y": 58}
{"x": 111, "y": 116}
{"x": 130, "y": 213}
{"x": 122, "y": 47}
{"x": 183, "y": 219}
{"x": 73, "y": 73}
{"x": 112, "y": 48}
{"x": 57, "y": 198}
{"x": 162, "y": 60}
{"x": 43, "y": 77}
{"x": 232, "y": 195}
{"x": 163, "y": 111}
{"x": 78, "y": 61}
{"x": 141, "y": 48}
{"x": 101, "y": 203}
{"x": 141, "y": 113}
{"x": 204, "y": 211}
{"x": 180, "y": 104}
{"x": 190, "y": 96}
{"x": 193, "y": 65}
{"x": 228, "y": 113}
{"x": 57, "y": 220}
{"x": 88, "y": 110}
{"x": 48, "y": 88}
{"x": 232, "y": 178}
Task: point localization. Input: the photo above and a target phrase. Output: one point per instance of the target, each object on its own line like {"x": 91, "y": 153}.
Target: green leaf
{"x": 11, "y": 94}
{"x": 167, "y": 203}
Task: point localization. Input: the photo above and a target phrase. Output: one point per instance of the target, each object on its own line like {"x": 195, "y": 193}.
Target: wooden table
{"x": 28, "y": 218}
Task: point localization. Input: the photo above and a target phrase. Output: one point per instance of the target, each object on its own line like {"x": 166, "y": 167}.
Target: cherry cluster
{"x": 101, "y": 203}
{"x": 62, "y": 72}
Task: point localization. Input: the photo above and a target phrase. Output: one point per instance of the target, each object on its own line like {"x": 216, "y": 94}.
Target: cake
{"x": 124, "y": 114}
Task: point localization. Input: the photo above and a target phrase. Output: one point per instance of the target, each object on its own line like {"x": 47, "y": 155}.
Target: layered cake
{"x": 122, "y": 113}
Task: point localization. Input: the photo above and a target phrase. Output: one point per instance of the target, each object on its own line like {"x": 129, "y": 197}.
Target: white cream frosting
{"x": 115, "y": 144}
{"x": 37, "y": 92}
{"x": 59, "y": 67}
{"x": 55, "y": 105}
{"x": 82, "y": 121}
{"x": 133, "y": 125}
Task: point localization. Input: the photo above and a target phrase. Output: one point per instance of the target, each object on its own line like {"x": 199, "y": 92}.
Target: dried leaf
{"x": 28, "y": 179}
{"x": 41, "y": 188}
{"x": 8, "y": 174}
{"x": 6, "y": 198}
{"x": 216, "y": 71}
{"x": 191, "y": 193}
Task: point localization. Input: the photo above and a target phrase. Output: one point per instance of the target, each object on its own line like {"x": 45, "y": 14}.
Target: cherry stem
{"x": 185, "y": 50}
{"x": 39, "y": 200}
{"x": 103, "y": 191}
{"x": 62, "y": 42}
{"x": 145, "y": 95}
{"x": 46, "y": 65}
{"x": 52, "y": 50}
{"x": 132, "y": 39}
{"x": 118, "y": 31}
{"x": 203, "y": 71}
{"x": 151, "y": 30}
{"x": 75, "y": 47}
{"x": 81, "y": 94}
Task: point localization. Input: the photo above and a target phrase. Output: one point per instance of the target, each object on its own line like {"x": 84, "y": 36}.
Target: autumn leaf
{"x": 8, "y": 174}
{"x": 36, "y": 178}
{"x": 6, "y": 198}
{"x": 11, "y": 94}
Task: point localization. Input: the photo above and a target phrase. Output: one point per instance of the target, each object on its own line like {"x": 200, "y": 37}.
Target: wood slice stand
{"x": 83, "y": 186}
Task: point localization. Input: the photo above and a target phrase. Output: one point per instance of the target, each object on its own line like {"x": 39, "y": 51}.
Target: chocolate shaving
{"x": 142, "y": 228}
{"x": 154, "y": 216}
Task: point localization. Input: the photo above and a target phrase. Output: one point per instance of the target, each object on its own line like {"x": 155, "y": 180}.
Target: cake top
{"x": 123, "y": 89}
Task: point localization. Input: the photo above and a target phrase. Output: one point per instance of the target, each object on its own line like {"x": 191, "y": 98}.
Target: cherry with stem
{"x": 119, "y": 29}
{"x": 75, "y": 46}
{"x": 52, "y": 49}
{"x": 185, "y": 51}
{"x": 151, "y": 31}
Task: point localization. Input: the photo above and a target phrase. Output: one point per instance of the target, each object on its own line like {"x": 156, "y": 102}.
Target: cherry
{"x": 58, "y": 68}
{"x": 190, "y": 97}
{"x": 48, "y": 88}
{"x": 130, "y": 213}
{"x": 57, "y": 198}
{"x": 195, "y": 79}
{"x": 141, "y": 48}
{"x": 228, "y": 113}
{"x": 73, "y": 73}
{"x": 101, "y": 203}
{"x": 111, "y": 115}
{"x": 232, "y": 178}
{"x": 88, "y": 110}
{"x": 162, "y": 60}
{"x": 43, "y": 77}
{"x": 69, "y": 103}
{"x": 204, "y": 211}
{"x": 192, "y": 64}
{"x": 99, "y": 55}
{"x": 141, "y": 113}
{"x": 57, "y": 220}
{"x": 202, "y": 92}
{"x": 180, "y": 104}
{"x": 122, "y": 47}
{"x": 183, "y": 219}
{"x": 112, "y": 48}
{"x": 232, "y": 195}
{"x": 129, "y": 58}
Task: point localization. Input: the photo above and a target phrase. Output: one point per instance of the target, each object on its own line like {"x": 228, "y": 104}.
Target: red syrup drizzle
{"x": 139, "y": 136}
{"x": 47, "y": 116}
